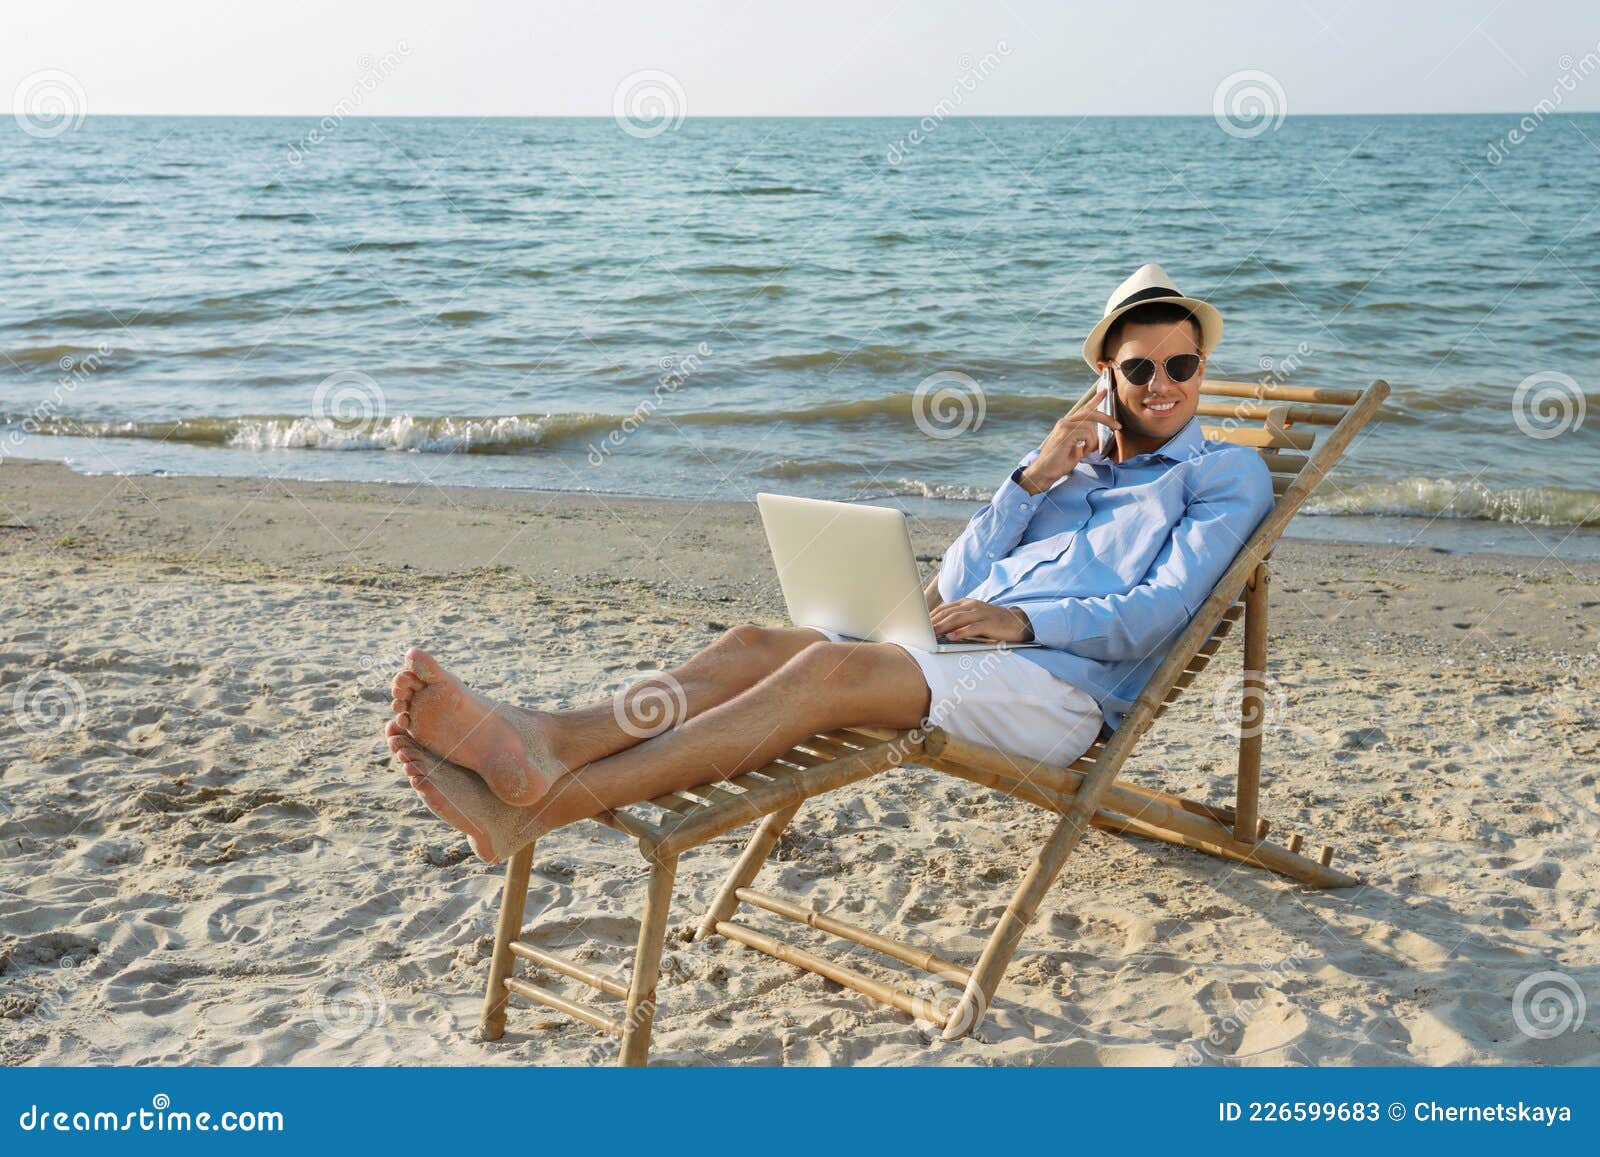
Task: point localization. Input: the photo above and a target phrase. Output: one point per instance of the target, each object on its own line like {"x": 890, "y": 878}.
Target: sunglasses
{"x": 1179, "y": 367}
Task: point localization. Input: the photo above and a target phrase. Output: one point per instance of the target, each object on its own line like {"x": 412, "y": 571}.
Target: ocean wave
{"x": 766, "y": 191}
{"x": 916, "y": 487}
{"x": 815, "y": 468}
{"x": 61, "y": 356}
{"x": 726, "y": 270}
{"x": 485, "y": 435}
{"x": 1446, "y": 498}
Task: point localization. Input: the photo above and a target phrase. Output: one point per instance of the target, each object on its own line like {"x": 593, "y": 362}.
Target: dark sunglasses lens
{"x": 1138, "y": 371}
{"x": 1182, "y": 367}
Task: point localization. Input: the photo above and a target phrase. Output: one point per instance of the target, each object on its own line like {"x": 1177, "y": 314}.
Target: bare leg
{"x": 736, "y": 661}
{"x": 825, "y": 685}
{"x": 521, "y": 753}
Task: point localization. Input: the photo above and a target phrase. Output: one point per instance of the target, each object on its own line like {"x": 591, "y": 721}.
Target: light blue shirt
{"x": 1113, "y": 560}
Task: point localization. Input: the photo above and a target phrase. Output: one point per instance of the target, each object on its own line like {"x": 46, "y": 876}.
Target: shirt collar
{"x": 1187, "y": 443}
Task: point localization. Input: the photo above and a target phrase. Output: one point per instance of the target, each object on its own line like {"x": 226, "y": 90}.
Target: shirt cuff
{"x": 1052, "y": 623}
{"x": 1011, "y": 494}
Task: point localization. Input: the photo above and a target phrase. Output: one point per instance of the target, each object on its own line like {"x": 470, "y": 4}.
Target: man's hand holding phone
{"x": 1072, "y": 437}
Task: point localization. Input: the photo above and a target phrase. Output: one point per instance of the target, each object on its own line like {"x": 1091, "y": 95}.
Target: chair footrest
{"x": 569, "y": 968}
{"x": 822, "y": 922}
{"x": 562, "y": 1004}
{"x": 916, "y": 1006}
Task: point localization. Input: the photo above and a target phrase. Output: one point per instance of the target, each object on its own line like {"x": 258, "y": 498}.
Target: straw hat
{"x": 1150, "y": 283}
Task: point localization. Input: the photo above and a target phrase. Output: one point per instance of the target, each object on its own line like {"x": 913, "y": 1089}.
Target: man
{"x": 1100, "y": 555}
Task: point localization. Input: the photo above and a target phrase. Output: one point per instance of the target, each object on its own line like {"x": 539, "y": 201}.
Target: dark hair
{"x": 1150, "y": 312}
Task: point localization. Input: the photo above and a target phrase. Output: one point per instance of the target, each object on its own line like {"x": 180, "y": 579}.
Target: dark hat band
{"x": 1151, "y": 294}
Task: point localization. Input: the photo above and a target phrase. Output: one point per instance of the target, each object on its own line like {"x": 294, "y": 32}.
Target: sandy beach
{"x": 206, "y": 856}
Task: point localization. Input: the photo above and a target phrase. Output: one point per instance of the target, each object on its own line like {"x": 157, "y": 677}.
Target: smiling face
{"x": 1152, "y": 413}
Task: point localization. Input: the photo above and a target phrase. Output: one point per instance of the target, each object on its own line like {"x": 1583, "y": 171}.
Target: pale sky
{"x": 816, "y": 57}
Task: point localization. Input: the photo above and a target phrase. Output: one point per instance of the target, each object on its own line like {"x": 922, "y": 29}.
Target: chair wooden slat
{"x": 713, "y": 793}
{"x": 1260, "y": 437}
{"x": 676, "y": 802}
{"x": 1281, "y": 463}
{"x": 1318, "y": 395}
{"x": 1242, "y": 410}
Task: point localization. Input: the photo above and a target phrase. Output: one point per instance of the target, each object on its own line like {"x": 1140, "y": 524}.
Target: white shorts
{"x": 1003, "y": 700}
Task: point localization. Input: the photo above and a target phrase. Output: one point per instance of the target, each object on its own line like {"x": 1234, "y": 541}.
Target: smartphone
{"x": 1108, "y": 407}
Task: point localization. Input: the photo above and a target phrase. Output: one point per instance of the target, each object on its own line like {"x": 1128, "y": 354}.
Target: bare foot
{"x": 508, "y": 746}
{"x": 461, "y": 799}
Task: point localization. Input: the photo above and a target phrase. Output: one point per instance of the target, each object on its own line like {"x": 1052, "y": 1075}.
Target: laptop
{"x": 850, "y": 569}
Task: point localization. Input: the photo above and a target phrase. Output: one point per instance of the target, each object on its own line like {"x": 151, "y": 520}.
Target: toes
{"x": 423, "y": 666}
{"x": 404, "y": 686}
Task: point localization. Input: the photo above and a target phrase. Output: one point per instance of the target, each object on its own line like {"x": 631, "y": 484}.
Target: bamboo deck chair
{"x": 1271, "y": 419}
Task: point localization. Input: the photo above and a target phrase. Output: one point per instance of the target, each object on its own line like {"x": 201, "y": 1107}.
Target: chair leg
{"x": 745, "y": 870}
{"x": 974, "y": 1003}
{"x": 647, "y": 962}
{"x": 1253, "y": 711}
{"x": 492, "y": 1024}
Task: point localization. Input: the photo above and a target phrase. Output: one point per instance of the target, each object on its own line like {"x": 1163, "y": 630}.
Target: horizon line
{"x": 819, "y": 116}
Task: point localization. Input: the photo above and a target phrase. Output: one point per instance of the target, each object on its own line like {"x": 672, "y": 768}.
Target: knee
{"x": 747, "y": 637}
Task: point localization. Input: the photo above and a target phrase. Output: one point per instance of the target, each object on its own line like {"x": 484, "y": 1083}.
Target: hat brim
{"x": 1204, "y": 312}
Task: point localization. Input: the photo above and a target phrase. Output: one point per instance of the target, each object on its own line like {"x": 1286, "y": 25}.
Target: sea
{"x": 883, "y": 310}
